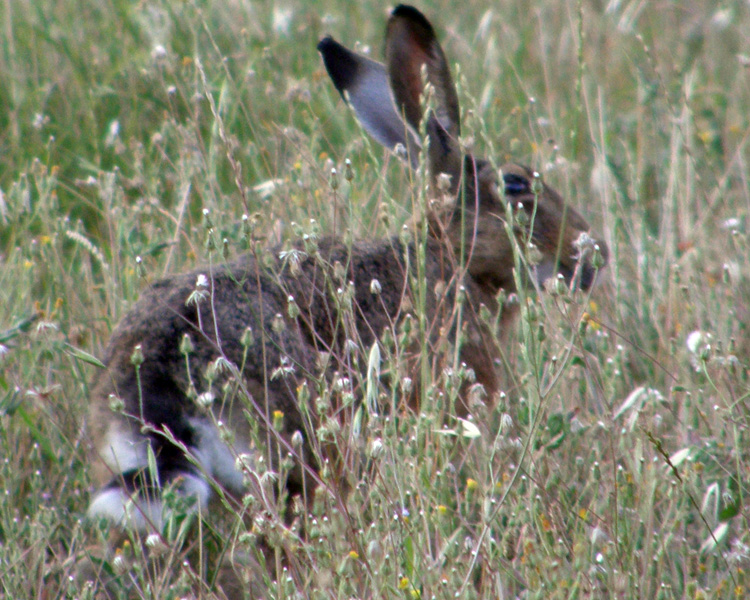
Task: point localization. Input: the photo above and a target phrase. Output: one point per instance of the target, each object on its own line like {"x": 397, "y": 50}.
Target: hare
{"x": 239, "y": 342}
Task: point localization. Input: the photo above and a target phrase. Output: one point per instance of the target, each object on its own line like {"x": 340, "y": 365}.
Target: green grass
{"x": 616, "y": 463}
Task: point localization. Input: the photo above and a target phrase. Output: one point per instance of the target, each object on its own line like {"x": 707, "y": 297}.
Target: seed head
{"x": 136, "y": 359}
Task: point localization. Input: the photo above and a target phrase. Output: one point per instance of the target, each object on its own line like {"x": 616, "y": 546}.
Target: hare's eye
{"x": 515, "y": 185}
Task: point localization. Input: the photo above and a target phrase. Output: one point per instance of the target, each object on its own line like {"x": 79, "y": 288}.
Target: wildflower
{"x": 116, "y": 404}
{"x": 158, "y": 53}
{"x": 286, "y": 367}
{"x": 375, "y": 448}
{"x": 156, "y": 545}
{"x": 206, "y": 399}
{"x": 278, "y": 324}
{"x": 245, "y": 463}
{"x": 137, "y": 357}
{"x": 334, "y": 180}
{"x": 247, "y": 337}
{"x": 119, "y": 564}
{"x": 200, "y": 293}
{"x": 292, "y": 308}
{"x": 186, "y": 345}
{"x": 444, "y": 182}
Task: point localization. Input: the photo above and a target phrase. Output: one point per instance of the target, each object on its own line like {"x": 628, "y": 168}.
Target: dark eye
{"x": 515, "y": 185}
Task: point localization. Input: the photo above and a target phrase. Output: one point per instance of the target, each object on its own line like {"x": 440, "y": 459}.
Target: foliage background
{"x": 121, "y": 121}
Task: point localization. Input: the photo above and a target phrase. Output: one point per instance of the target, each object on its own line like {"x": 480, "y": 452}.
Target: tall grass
{"x": 614, "y": 465}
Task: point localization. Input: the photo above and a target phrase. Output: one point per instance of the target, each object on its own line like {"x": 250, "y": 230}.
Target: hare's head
{"x": 414, "y": 92}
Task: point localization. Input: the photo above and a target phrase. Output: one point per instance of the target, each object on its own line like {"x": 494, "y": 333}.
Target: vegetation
{"x": 616, "y": 462}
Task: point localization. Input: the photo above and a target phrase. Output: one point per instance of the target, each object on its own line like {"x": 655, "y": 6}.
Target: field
{"x": 615, "y": 462}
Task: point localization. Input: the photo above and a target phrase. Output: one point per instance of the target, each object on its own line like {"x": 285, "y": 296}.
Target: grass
{"x": 615, "y": 464}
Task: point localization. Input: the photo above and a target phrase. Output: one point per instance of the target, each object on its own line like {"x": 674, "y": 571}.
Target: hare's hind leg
{"x": 132, "y": 499}
{"x": 187, "y": 451}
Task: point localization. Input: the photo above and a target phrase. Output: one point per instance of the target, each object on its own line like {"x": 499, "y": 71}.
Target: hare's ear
{"x": 363, "y": 83}
{"x": 411, "y": 45}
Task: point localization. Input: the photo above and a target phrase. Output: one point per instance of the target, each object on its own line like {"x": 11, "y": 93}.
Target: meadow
{"x": 615, "y": 462}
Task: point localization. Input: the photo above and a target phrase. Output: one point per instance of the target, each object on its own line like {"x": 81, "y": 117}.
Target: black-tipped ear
{"x": 364, "y": 84}
{"x": 411, "y": 43}
{"x": 341, "y": 63}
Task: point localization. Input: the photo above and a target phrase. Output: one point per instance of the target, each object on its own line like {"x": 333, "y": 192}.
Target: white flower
{"x": 158, "y": 53}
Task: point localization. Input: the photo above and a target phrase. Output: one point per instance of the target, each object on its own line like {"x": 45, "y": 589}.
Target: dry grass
{"x": 616, "y": 463}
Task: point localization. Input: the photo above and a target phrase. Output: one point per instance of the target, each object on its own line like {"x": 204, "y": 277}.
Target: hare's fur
{"x": 261, "y": 324}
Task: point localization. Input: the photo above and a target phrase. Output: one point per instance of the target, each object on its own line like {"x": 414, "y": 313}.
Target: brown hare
{"x": 241, "y": 342}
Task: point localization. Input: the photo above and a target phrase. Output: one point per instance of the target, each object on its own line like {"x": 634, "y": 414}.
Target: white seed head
{"x": 156, "y": 545}
{"x": 158, "y": 53}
